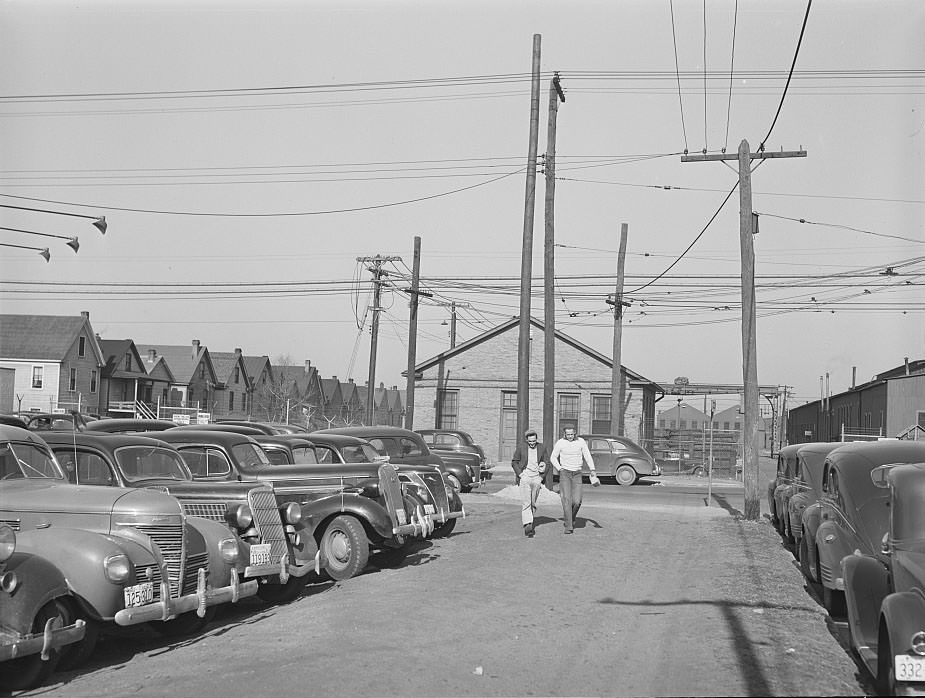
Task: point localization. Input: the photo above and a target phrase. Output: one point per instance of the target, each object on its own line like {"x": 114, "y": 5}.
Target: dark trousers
{"x": 570, "y": 492}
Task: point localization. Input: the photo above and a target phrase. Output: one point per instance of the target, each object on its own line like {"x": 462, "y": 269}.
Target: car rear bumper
{"x": 42, "y": 643}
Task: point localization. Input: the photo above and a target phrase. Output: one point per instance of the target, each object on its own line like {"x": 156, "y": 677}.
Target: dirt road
{"x": 654, "y": 594}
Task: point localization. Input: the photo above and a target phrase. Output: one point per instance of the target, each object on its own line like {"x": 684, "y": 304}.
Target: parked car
{"x": 12, "y": 420}
{"x": 278, "y": 551}
{"x": 883, "y": 588}
{"x": 453, "y": 443}
{"x": 142, "y": 560}
{"x": 625, "y": 460}
{"x": 122, "y": 425}
{"x": 345, "y": 524}
{"x": 33, "y": 594}
{"x": 803, "y": 512}
{"x": 56, "y": 421}
{"x": 783, "y": 479}
{"x": 266, "y": 427}
{"x": 406, "y": 447}
{"x": 855, "y": 513}
{"x": 354, "y": 457}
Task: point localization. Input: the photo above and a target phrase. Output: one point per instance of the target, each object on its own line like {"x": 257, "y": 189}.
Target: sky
{"x": 246, "y": 154}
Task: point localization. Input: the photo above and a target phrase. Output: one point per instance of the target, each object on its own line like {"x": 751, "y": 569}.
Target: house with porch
{"x": 56, "y": 359}
{"x": 126, "y": 388}
{"x": 193, "y": 388}
{"x": 473, "y": 387}
{"x": 232, "y": 388}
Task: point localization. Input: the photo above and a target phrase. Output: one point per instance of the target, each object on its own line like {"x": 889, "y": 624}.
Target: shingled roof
{"x": 44, "y": 337}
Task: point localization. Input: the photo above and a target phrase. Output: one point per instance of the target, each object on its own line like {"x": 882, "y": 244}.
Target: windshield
{"x": 277, "y": 456}
{"x": 27, "y": 460}
{"x": 360, "y": 453}
{"x": 149, "y": 462}
{"x": 250, "y": 456}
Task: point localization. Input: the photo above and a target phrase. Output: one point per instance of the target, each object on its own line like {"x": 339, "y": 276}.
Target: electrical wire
{"x": 735, "y": 20}
{"x": 677, "y": 70}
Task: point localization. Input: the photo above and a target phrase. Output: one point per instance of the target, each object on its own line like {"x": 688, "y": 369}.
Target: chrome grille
{"x": 194, "y": 563}
{"x": 435, "y": 484}
{"x": 206, "y": 510}
{"x": 268, "y": 521}
{"x": 477, "y": 473}
{"x": 169, "y": 540}
{"x": 12, "y": 523}
{"x": 141, "y": 575}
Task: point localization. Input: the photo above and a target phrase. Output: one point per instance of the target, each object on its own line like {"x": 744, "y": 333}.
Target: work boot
{"x": 528, "y": 530}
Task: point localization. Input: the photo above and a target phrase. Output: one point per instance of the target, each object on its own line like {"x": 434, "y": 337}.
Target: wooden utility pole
{"x": 752, "y": 508}
{"x": 617, "y": 391}
{"x": 549, "y": 273}
{"x": 412, "y": 334}
{"x": 376, "y": 270}
{"x": 526, "y": 273}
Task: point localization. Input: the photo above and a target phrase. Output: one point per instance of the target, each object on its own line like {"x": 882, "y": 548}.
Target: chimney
{"x": 195, "y": 348}
{"x": 350, "y": 380}
{"x": 907, "y": 365}
{"x": 85, "y": 314}
{"x": 854, "y": 376}
{"x": 237, "y": 353}
{"x": 334, "y": 377}
{"x": 152, "y": 354}
{"x": 381, "y": 385}
{"x": 308, "y": 366}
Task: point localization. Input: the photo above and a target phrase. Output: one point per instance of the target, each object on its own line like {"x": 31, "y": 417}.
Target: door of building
{"x": 508, "y": 429}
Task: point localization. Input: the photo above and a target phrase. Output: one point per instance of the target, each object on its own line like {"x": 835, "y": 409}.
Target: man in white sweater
{"x": 566, "y": 459}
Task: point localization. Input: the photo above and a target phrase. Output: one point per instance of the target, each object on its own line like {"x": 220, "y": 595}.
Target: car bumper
{"x": 42, "y": 643}
{"x": 199, "y": 601}
{"x": 283, "y": 568}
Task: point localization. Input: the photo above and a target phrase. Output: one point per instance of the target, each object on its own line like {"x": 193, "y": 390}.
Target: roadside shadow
{"x": 409, "y": 555}
{"x": 723, "y": 503}
{"x": 583, "y": 521}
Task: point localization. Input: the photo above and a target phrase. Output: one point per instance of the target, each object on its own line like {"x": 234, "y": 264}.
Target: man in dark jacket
{"x": 529, "y": 464}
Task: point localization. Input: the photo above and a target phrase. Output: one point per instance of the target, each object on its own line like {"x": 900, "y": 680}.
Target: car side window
{"x": 205, "y": 462}
{"x": 325, "y": 454}
{"x": 85, "y": 468}
{"x": 599, "y": 445}
{"x": 410, "y": 448}
{"x": 446, "y": 440}
{"x": 382, "y": 446}
{"x": 304, "y": 455}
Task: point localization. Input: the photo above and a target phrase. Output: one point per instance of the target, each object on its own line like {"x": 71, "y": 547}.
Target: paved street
{"x": 656, "y": 593}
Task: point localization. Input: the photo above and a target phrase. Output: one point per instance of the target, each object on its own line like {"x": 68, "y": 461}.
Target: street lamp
{"x": 71, "y": 241}
{"x": 41, "y": 250}
{"x": 99, "y": 222}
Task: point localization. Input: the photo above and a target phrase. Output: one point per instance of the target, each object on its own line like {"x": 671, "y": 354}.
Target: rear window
{"x": 146, "y": 462}
{"x": 360, "y": 453}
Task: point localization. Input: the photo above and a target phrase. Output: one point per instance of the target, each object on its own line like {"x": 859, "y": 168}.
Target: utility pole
{"x": 452, "y": 324}
{"x": 375, "y": 269}
{"x": 412, "y": 334}
{"x": 526, "y": 273}
{"x": 617, "y": 394}
{"x": 549, "y": 273}
{"x": 752, "y": 508}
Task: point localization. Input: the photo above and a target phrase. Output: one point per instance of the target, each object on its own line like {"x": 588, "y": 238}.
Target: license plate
{"x": 402, "y": 516}
{"x": 909, "y": 668}
{"x": 260, "y": 554}
{"x": 430, "y": 508}
{"x": 139, "y": 594}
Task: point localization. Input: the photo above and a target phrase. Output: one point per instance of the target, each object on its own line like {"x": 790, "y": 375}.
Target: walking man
{"x": 529, "y": 464}
{"x": 566, "y": 458}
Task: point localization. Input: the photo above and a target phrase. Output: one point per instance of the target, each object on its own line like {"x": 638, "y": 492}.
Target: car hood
{"x": 186, "y": 489}
{"x": 57, "y": 497}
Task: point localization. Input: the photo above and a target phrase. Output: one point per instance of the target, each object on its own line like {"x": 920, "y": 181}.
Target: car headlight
{"x": 117, "y": 568}
{"x": 292, "y": 513}
{"x": 9, "y": 582}
{"x": 240, "y": 516}
{"x": 228, "y": 549}
{"x": 7, "y": 542}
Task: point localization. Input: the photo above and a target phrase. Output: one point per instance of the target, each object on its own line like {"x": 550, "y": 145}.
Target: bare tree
{"x": 282, "y": 398}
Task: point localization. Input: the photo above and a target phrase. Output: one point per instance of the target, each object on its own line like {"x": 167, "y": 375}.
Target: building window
{"x": 694, "y": 424}
{"x": 81, "y": 346}
{"x": 684, "y": 424}
{"x": 72, "y": 380}
{"x": 600, "y": 414}
{"x": 237, "y": 374}
{"x": 671, "y": 424}
{"x": 449, "y": 410}
{"x": 128, "y": 361}
{"x": 38, "y": 376}
{"x": 726, "y": 426}
{"x": 716, "y": 425}
{"x": 230, "y": 401}
{"x": 202, "y": 370}
{"x": 92, "y": 381}
{"x": 738, "y": 425}
{"x": 568, "y": 411}
{"x": 661, "y": 424}
{"x": 509, "y": 400}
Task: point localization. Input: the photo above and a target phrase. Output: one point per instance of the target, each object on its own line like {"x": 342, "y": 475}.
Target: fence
{"x": 688, "y": 451}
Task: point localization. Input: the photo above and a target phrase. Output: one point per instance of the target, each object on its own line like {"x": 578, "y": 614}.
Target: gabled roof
{"x": 256, "y": 365}
{"x": 224, "y": 363}
{"x": 113, "y": 352}
{"x": 182, "y": 360}
{"x": 44, "y": 337}
{"x": 350, "y": 393}
{"x": 513, "y": 323}
{"x": 330, "y": 387}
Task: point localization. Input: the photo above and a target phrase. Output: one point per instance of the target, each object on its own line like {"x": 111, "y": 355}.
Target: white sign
{"x": 203, "y": 417}
{"x": 181, "y": 418}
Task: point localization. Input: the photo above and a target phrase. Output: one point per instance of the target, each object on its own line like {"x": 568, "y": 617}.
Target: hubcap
{"x": 340, "y": 547}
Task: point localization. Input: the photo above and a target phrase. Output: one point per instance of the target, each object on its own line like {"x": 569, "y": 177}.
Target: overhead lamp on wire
{"x": 41, "y": 250}
{"x": 72, "y": 242}
{"x": 99, "y": 222}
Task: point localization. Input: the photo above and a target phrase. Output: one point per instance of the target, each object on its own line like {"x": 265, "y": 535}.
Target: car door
{"x": 602, "y": 454}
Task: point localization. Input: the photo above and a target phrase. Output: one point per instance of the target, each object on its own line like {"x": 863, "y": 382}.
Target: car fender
{"x": 867, "y": 584}
{"x": 371, "y": 514}
{"x": 903, "y": 614}
{"x": 212, "y": 533}
{"x": 833, "y": 546}
{"x": 39, "y": 581}
{"x": 459, "y": 469}
{"x": 79, "y": 555}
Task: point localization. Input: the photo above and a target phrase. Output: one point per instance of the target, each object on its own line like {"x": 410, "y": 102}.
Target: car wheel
{"x": 625, "y": 475}
{"x": 76, "y": 654}
{"x": 886, "y": 676}
{"x": 445, "y": 529}
{"x": 454, "y": 482}
{"x": 834, "y": 602}
{"x": 804, "y": 560}
{"x": 185, "y": 624}
{"x": 345, "y": 548}
{"x": 282, "y": 593}
{"x": 31, "y": 670}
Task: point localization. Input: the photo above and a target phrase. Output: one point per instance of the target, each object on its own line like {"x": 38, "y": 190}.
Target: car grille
{"x": 214, "y": 511}
{"x": 476, "y": 473}
{"x": 194, "y": 563}
{"x": 268, "y": 521}
{"x": 169, "y": 540}
{"x": 435, "y": 484}
{"x": 12, "y": 523}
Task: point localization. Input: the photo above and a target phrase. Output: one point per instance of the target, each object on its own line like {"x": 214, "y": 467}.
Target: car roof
{"x": 336, "y": 439}
{"x": 215, "y": 436}
{"x": 226, "y": 427}
{"x": 257, "y": 426}
{"x": 128, "y": 423}
{"x": 11, "y": 433}
{"x": 104, "y": 440}
{"x": 289, "y": 440}
{"x": 371, "y": 430}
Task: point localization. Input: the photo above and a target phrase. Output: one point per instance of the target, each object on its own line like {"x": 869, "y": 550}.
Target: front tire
{"x": 445, "y": 529}
{"x": 886, "y": 678}
{"x": 625, "y": 476}
{"x": 31, "y": 670}
{"x": 345, "y": 546}
{"x": 282, "y": 593}
{"x": 76, "y": 654}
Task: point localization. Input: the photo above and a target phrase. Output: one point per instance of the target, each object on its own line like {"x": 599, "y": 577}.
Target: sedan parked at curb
{"x": 783, "y": 480}
{"x": 454, "y": 444}
{"x": 621, "y": 457}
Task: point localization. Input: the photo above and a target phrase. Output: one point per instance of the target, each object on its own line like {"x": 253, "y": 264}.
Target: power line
{"x": 677, "y": 70}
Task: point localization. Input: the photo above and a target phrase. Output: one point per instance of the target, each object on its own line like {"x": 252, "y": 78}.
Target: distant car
{"x": 454, "y": 443}
{"x": 11, "y": 420}
{"x": 278, "y": 551}
{"x": 129, "y": 556}
{"x": 126, "y": 425}
{"x": 56, "y": 421}
{"x": 619, "y": 457}
{"x": 802, "y": 507}
{"x": 883, "y": 587}
{"x": 266, "y": 427}
{"x": 33, "y": 595}
{"x": 784, "y": 479}
{"x": 404, "y": 446}
{"x": 855, "y": 513}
